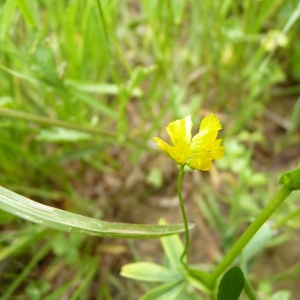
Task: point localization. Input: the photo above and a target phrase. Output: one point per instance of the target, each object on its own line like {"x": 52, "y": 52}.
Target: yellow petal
{"x": 180, "y": 130}
{"x": 198, "y": 152}
{"x": 205, "y": 165}
{"x": 218, "y": 153}
{"x": 180, "y": 152}
{"x": 203, "y": 141}
{"x": 201, "y": 161}
{"x": 188, "y": 128}
{"x": 210, "y": 123}
{"x": 162, "y": 145}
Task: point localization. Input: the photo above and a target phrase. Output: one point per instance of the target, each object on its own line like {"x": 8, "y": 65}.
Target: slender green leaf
{"x": 97, "y": 104}
{"x": 249, "y": 290}
{"x": 231, "y": 284}
{"x": 167, "y": 291}
{"x": 58, "y": 134}
{"x": 26, "y": 12}
{"x": 40, "y": 254}
{"x": 177, "y": 7}
{"x": 173, "y": 247}
{"x": 100, "y": 88}
{"x": 70, "y": 222}
{"x": 257, "y": 244}
{"x": 137, "y": 76}
{"x": 20, "y": 75}
{"x": 195, "y": 280}
{"x": 7, "y": 15}
{"x": 86, "y": 280}
{"x": 149, "y": 271}
{"x": 30, "y": 235}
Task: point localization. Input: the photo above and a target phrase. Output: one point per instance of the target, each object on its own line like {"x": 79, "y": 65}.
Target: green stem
{"x": 19, "y": 115}
{"x": 250, "y": 232}
{"x": 187, "y": 235}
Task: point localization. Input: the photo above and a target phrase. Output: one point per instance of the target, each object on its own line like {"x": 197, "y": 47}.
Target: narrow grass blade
{"x": 110, "y": 136}
{"x": 26, "y": 12}
{"x": 27, "y": 269}
{"x": 70, "y": 222}
{"x": 100, "y": 88}
{"x": 249, "y": 290}
{"x": 30, "y": 235}
{"x": 7, "y": 16}
{"x": 169, "y": 291}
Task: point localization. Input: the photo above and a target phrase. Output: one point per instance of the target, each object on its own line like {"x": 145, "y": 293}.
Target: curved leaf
{"x": 173, "y": 247}
{"x": 231, "y": 284}
{"x": 70, "y": 222}
{"x": 167, "y": 291}
{"x": 249, "y": 290}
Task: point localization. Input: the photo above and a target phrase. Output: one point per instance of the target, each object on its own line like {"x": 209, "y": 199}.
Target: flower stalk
{"x": 238, "y": 247}
{"x": 185, "y": 221}
{"x": 197, "y": 152}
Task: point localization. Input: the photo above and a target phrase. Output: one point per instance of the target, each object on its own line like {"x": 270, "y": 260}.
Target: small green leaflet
{"x": 231, "y": 284}
{"x": 291, "y": 179}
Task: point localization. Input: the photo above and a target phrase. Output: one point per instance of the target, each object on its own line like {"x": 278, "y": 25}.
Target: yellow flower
{"x": 197, "y": 152}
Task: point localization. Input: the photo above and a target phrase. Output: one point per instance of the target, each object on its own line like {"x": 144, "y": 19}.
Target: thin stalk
{"x": 20, "y": 115}
{"x": 250, "y": 232}
{"x": 187, "y": 235}
{"x": 123, "y": 139}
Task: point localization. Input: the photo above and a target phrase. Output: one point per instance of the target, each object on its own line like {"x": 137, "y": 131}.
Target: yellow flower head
{"x": 197, "y": 152}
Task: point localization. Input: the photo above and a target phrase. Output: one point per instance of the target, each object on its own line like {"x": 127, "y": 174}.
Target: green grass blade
{"x": 169, "y": 291}
{"x": 26, "y": 12}
{"x": 7, "y": 16}
{"x": 249, "y": 290}
{"x": 100, "y": 88}
{"x": 27, "y": 237}
{"x": 110, "y": 136}
{"x": 70, "y": 222}
{"x": 27, "y": 269}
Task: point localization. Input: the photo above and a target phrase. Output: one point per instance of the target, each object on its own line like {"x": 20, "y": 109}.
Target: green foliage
{"x": 148, "y": 271}
{"x": 231, "y": 285}
{"x": 155, "y": 178}
{"x": 69, "y": 222}
{"x": 168, "y": 291}
{"x": 175, "y": 276}
{"x": 257, "y": 244}
{"x": 85, "y": 85}
{"x": 249, "y": 290}
{"x": 291, "y": 179}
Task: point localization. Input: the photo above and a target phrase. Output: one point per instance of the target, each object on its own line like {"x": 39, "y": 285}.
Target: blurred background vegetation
{"x": 84, "y": 85}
